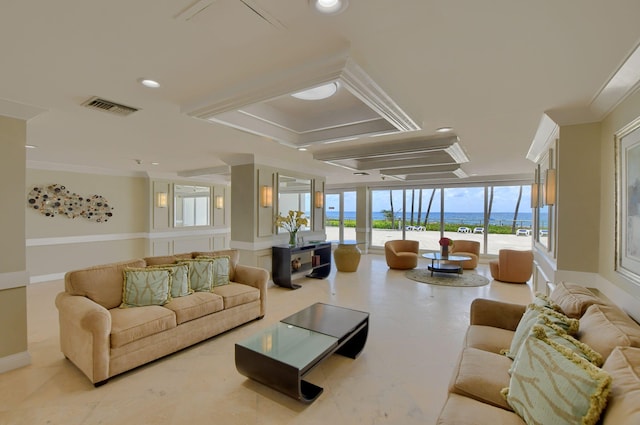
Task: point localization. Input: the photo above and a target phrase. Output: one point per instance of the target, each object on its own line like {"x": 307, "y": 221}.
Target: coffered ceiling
{"x": 226, "y": 69}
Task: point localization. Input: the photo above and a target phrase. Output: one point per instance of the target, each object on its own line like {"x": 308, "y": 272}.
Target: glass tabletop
{"x": 290, "y": 344}
{"x": 438, "y": 256}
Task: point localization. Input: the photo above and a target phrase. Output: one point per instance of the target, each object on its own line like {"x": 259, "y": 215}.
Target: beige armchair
{"x": 468, "y": 249}
{"x": 512, "y": 266}
{"x": 401, "y": 254}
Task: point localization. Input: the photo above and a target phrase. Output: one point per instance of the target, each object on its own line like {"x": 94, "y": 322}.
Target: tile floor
{"x": 401, "y": 377}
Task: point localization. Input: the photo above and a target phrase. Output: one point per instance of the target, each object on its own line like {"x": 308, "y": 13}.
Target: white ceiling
{"x": 488, "y": 69}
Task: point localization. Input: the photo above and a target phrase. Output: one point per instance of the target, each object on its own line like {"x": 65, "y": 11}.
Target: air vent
{"x": 109, "y": 106}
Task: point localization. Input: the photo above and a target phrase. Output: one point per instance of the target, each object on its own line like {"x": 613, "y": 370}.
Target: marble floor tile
{"x": 401, "y": 377}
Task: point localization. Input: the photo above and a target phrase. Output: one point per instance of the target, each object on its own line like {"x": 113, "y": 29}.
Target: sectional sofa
{"x": 588, "y": 378}
{"x": 103, "y": 339}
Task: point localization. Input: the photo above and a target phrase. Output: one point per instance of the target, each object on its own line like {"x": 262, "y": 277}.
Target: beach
{"x": 429, "y": 239}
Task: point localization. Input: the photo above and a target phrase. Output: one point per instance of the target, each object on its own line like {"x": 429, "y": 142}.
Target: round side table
{"x": 347, "y": 256}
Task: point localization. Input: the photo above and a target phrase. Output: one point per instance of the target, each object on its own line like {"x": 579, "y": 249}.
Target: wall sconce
{"x": 319, "y": 199}
{"x": 550, "y": 187}
{"x": 161, "y": 199}
{"x": 219, "y": 202}
{"x": 266, "y": 196}
{"x": 535, "y": 188}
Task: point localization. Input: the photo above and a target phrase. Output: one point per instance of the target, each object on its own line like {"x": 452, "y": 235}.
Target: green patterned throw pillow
{"x": 143, "y": 287}
{"x": 200, "y": 274}
{"x": 532, "y": 315}
{"x": 551, "y": 384}
{"x": 179, "y": 279}
{"x": 220, "y": 271}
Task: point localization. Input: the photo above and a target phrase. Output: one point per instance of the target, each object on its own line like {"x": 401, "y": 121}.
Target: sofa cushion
{"x": 131, "y": 324}
{"x": 144, "y": 287}
{"x": 482, "y": 375}
{"x": 459, "y": 410}
{"x": 160, "y": 260}
{"x": 533, "y": 315}
{"x": 574, "y": 299}
{"x": 102, "y": 284}
{"x": 553, "y": 385}
{"x": 194, "y": 306}
{"x": 235, "y": 294}
{"x": 623, "y": 364}
{"x": 488, "y": 338}
{"x": 603, "y": 327}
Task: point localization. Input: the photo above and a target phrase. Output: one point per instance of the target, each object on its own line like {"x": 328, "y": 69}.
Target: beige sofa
{"x": 103, "y": 340}
{"x": 482, "y": 372}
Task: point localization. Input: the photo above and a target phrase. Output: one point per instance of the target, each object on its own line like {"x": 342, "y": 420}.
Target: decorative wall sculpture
{"x": 55, "y": 199}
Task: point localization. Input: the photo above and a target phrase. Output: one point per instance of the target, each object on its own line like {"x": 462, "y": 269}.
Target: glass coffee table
{"x": 282, "y": 354}
{"x": 439, "y": 266}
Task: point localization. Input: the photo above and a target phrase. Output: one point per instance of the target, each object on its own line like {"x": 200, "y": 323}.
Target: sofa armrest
{"x": 496, "y": 314}
{"x": 256, "y": 277}
{"x": 85, "y": 328}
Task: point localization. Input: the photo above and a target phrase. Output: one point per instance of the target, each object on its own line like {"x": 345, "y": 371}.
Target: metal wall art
{"x": 55, "y": 199}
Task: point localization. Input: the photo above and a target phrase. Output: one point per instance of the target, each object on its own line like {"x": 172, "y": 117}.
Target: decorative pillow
{"x": 531, "y": 316}
{"x": 220, "y": 271}
{"x": 574, "y": 299}
{"x": 200, "y": 274}
{"x": 179, "y": 279}
{"x": 603, "y": 327}
{"x": 624, "y": 404}
{"x": 558, "y": 335}
{"x": 542, "y": 300}
{"x": 551, "y": 384}
{"x": 143, "y": 287}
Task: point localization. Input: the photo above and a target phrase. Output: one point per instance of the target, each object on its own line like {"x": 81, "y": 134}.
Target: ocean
{"x": 524, "y": 219}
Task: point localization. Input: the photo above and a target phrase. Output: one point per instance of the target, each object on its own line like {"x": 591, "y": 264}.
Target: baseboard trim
{"x": 14, "y": 361}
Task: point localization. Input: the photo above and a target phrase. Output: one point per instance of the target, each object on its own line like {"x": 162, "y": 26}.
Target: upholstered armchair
{"x": 401, "y": 254}
{"x": 468, "y": 249}
{"x": 512, "y": 266}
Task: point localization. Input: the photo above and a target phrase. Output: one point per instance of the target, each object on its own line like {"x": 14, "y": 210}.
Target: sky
{"x": 465, "y": 199}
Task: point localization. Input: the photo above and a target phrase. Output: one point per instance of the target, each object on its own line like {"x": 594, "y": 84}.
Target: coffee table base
{"x": 329, "y": 329}
{"x": 445, "y": 268}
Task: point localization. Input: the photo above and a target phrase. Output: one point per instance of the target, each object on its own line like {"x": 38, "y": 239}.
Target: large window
{"x": 496, "y": 216}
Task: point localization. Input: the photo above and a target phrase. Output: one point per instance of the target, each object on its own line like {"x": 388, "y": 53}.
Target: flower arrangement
{"x": 445, "y": 242}
{"x": 292, "y": 222}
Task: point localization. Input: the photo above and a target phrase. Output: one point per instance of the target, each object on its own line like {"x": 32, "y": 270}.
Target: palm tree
{"x": 515, "y": 214}
{"x": 426, "y": 218}
{"x": 490, "y": 203}
{"x": 393, "y": 216}
{"x": 419, "y": 206}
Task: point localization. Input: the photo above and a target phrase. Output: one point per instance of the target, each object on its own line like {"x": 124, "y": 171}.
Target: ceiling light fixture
{"x": 360, "y": 173}
{"x": 302, "y": 149}
{"x": 329, "y": 7}
{"x": 30, "y": 146}
{"x": 444, "y": 129}
{"x": 149, "y": 83}
{"x": 317, "y": 93}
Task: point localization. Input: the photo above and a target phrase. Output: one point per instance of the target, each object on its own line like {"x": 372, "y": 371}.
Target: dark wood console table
{"x": 289, "y": 262}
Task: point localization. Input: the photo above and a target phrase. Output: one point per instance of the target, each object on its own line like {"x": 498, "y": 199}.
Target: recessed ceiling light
{"x": 329, "y": 7}
{"x": 30, "y": 146}
{"x": 149, "y": 83}
{"x": 155, "y": 163}
{"x": 444, "y": 129}
{"x": 360, "y": 173}
{"x": 317, "y": 93}
{"x": 303, "y": 149}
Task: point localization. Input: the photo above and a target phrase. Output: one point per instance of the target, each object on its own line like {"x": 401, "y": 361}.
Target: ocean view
{"x": 524, "y": 219}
